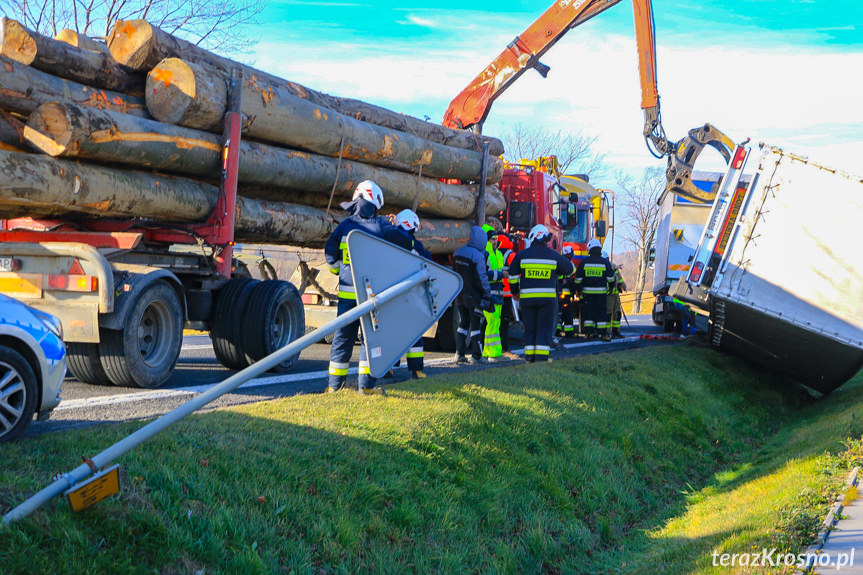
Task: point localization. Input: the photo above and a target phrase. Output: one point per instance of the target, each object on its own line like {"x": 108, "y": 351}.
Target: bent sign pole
{"x": 419, "y": 281}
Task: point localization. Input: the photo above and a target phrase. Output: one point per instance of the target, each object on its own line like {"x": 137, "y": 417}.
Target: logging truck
{"x": 124, "y": 226}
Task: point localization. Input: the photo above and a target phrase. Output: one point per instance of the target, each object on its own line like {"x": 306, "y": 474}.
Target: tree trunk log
{"x": 372, "y": 114}
{"x": 66, "y": 61}
{"x": 11, "y": 133}
{"x": 23, "y": 89}
{"x": 34, "y": 184}
{"x": 40, "y": 186}
{"x": 442, "y": 237}
{"x": 80, "y": 41}
{"x": 141, "y": 46}
{"x": 68, "y": 130}
{"x": 191, "y": 95}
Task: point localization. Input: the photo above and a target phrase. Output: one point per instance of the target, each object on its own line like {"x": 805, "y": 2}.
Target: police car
{"x": 32, "y": 365}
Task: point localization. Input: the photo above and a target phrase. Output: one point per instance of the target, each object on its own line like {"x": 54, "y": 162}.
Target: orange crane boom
{"x": 470, "y": 108}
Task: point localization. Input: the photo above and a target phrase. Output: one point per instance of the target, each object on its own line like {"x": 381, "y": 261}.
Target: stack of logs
{"x": 132, "y": 129}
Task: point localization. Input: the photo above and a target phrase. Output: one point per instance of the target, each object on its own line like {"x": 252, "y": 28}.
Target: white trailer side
{"x": 787, "y": 290}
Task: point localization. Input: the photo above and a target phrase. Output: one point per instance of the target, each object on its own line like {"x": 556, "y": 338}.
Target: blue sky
{"x": 784, "y": 71}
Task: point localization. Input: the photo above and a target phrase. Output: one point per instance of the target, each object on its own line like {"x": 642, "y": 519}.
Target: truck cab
{"x": 681, "y": 221}
{"x": 568, "y": 205}
{"x": 532, "y": 197}
{"x": 584, "y": 214}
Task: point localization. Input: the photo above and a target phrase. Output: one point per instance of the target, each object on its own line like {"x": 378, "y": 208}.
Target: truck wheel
{"x": 274, "y": 318}
{"x": 145, "y": 351}
{"x": 18, "y": 392}
{"x": 447, "y": 327}
{"x": 84, "y": 363}
{"x": 228, "y": 314}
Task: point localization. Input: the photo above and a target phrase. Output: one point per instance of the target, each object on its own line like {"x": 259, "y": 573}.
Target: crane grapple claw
{"x": 682, "y": 161}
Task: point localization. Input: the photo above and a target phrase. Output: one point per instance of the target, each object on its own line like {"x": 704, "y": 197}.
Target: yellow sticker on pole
{"x": 95, "y": 489}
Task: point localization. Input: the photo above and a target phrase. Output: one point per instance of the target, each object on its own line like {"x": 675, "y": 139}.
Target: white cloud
{"x": 420, "y": 21}
{"x": 809, "y": 103}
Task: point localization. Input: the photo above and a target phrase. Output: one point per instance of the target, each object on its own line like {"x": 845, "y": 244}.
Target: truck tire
{"x": 84, "y": 363}
{"x": 225, "y": 323}
{"x": 18, "y": 388}
{"x": 145, "y": 351}
{"x": 274, "y": 318}
{"x": 447, "y": 327}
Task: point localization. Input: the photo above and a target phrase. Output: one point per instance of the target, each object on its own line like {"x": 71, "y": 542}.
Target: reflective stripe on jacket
{"x": 535, "y": 270}
{"x": 594, "y": 275}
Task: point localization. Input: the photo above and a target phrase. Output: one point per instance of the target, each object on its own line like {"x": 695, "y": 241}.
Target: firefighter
{"x": 566, "y": 324}
{"x": 615, "y": 309}
{"x": 469, "y": 261}
{"x": 363, "y": 209}
{"x": 533, "y": 279}
{"x": 409, "y": 222}
{"x": 506, "y": 312}
{"x": 492, "y": 349}
{"x": 592, "y": 279}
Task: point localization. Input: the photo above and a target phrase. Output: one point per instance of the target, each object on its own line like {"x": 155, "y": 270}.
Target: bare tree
{"x": 573, "y": 149}
{"x": 639, "y": 200}
{"x": 218, "y": 25}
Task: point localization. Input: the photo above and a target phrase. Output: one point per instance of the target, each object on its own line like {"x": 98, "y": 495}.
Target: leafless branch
{"x": 573, "y": 149}
{"x": 638, "y": 201}
{"x": 219, "y": 25}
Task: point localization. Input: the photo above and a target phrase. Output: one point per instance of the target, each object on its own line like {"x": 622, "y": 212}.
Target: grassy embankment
{"x": 645, "y": 462}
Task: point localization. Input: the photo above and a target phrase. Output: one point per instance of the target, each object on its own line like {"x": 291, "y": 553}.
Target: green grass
{"x": 600, "y": 464}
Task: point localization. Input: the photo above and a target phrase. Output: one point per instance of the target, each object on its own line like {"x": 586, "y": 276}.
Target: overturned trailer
{"x": 778, "y": 269}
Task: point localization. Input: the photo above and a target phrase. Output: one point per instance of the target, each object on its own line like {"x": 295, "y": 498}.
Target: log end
{"x": 68, "y": 36}
{"x": 170, "y": 90}
{"x": 130, "y": 43}
{"x": 49, "y": 129}
{"x": 17, "y": 43}
{"x": 72, "y": 38}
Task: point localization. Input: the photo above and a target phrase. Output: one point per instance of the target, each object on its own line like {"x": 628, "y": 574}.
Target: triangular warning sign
{"x": 395, "y": 325}
{"x": 75, "y": 269}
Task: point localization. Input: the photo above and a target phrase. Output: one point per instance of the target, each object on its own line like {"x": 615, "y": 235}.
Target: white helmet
{"x": 536, "y": 232}
{"x": 568, "y": 251}
{"x": 408, "y": 220}
{"x": 593, "y": 243}
{"x": 368, "y": 190}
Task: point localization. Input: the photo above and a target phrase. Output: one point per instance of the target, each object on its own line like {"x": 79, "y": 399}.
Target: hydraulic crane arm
{"x": 470, "y": 108}
{"x": 681, "y": 154}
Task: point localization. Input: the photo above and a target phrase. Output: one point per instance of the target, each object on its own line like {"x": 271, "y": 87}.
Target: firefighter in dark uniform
{"x": 533, "y": 277}
{"x": 469, "y": 261}
{"x": 566, "y": 324}
{"x": 592, "y": 280}
{"x": 367, "y": 200}
{"x": 614, "y": 309}
{"x": 409, "y": 222}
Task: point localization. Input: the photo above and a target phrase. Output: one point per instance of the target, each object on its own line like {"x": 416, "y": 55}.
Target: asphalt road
{"x": 197, "y": 370}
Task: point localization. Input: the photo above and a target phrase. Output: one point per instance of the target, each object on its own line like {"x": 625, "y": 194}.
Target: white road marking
{"x": 257, "y": 382}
